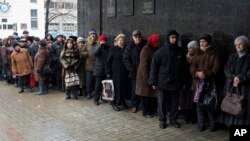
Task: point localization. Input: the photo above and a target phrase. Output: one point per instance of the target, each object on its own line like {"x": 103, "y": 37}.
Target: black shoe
{"x": 89, "y": 96}
{"x": 148, "y": 116}
{"x": 175, "y": 124}
{"x": 68, "y": 97}
{"x": 20, "y": 91}
{"x": 96, "y": 103}
{"x": 40, "y": 93}
{"x": 201, "y": 128}
{"x": 162, "y": 125}
{"x": 115, "y": 107}
{"x": 213, "y": 128}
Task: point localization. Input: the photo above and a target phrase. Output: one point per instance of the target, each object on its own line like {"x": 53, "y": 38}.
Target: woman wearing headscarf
{"x": 143, "y": 88}
{"x": 237, "y": 71}
{"x": 116, "y": 70}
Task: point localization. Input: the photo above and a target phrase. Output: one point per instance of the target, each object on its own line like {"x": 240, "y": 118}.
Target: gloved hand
{"x": 108, "y": 76}
{"x": 71, "y": 66}
{"x": 38, "y": 71}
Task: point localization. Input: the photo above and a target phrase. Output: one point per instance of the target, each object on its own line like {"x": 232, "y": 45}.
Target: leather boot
{"x": 68, "y": 93}
{"x": 74, "y": 91}
{"x": 20, "y": 90}
{"x": 41, "y": 88}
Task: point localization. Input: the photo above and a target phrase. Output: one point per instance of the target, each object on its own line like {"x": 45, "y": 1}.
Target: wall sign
{"x": 148, "y": 7}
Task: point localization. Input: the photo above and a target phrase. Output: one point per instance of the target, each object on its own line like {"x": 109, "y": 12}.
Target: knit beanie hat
{"x": 173, "y": 32}
{"x": 193, "y": 44}
{"x": 102, "y": 38}
{"x": 92, "y": 31}
{"x": 241, "y": 39}
{"x": 154, "y": 40}
{"x": 80, "y": 39}
{"x": 206, "y": 37}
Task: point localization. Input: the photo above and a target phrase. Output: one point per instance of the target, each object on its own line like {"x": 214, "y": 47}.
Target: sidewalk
{"x": 51, "y": 118}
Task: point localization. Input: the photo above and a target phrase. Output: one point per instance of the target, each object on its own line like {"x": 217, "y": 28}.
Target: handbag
{"x": 72, "y": 79}
{"x": 232, "y": 103}
{"x": 210, "y": 100}
{"x": 200, "y": 85}
{"x": 108, "y": 92}
{"x": 46, "y": 68}
{"x": 32, "y": 81}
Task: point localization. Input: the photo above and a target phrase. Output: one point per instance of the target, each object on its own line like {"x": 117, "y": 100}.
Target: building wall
{"x": 223, "y": 19}
{"x": 19, "y": 14}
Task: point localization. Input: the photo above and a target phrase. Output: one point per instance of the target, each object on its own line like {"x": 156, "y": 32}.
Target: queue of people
{"x": 159, "y": 78}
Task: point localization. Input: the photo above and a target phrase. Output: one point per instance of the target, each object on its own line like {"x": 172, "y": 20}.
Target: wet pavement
{"x": 28, "y": 117}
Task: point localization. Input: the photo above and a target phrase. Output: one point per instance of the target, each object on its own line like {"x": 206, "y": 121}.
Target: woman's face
{"x": 70, "y": 45}
{"x": 240, "y": 47}
{"x": 80, "y": 44}
{"x": 121, "y": 42}
{"x": 48, "y": 38}
{"x": 190, "y": 50}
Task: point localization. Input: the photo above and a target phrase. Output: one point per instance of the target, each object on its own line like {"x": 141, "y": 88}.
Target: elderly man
{"x": 131, "y": 59}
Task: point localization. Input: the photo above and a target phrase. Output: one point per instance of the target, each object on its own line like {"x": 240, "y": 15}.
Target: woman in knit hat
{"x": 90, "y": 62}
{"x": 81, "y": 70}
{"x": 186, "y": 97}
{"x": 101, "y": 53}
{"x": 237, "y": 71}
{"x": 204, "y": 69}
{"x": 116, "y": 70}
{"x": 143, "y": 88}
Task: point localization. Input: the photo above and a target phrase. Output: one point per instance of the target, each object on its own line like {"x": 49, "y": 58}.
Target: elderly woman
{"x": 116, "y": 70}
{"x": 237, "y": 71}
{"x": 40, "y": 60}
{"x": 143, "y": 88}
{"x": 187, "y": 95}
{"x": 6, "y": 52}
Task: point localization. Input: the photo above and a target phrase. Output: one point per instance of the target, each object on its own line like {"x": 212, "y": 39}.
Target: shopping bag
{"x": 108, "y": 92}
{"x": 32, "y": 80}
{"x": 72, "y": 79}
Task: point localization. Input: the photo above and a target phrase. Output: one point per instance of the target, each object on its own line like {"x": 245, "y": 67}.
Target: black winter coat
{"x": 168, "y": 68}
{"x": 118, "y": 72}
{"x": 238, "y": 67}
{"x": 131, "y": 57}
{"x": 55, "y": 53}
{"x": 101, "y": 54}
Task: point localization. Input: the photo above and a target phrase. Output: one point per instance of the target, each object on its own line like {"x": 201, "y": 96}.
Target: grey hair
{"x": 242, "y": 39}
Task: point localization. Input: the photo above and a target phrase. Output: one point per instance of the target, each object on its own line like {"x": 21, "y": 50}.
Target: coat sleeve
{"x": 97, "y": 50}
{"x": 84, "y": 53}
{"x": 108, "y": 66}
{"x": 14, "y": 65}
{"x": 63, "y": 62}
{"x": 145, "y": 64}
{"x": 29, "y": 58}
{"x": 229, "y": 75}
{"x": 127, "y": 59}
{"x": 194, "y": 67}
{"x": 215, "y": 68}
{"x": 3, "y": 54}
{"x": 154, "y": 69}
{"x": 41, "y": 60}
{"x": 53, "y": 52}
